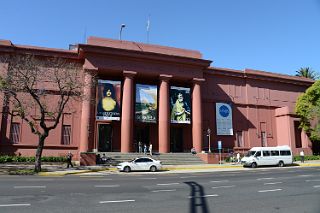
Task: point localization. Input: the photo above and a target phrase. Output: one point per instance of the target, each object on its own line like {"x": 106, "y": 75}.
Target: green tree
{"x": 307, "y": 72}
{"x": 308, "y": 108}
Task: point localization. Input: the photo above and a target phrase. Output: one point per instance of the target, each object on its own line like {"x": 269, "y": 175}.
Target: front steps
{"x": 165, "y": 158}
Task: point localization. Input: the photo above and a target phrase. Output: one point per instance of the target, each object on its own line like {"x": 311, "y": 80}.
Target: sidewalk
{"x": 61, "y": 170}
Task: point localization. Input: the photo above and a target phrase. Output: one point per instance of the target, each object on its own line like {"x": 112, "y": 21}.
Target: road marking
{"x": 147, "y": 178}
{"x": 215, "y": 195}
{"x": 188, "y": 177}
{"x": 167, "y": 184}
{"x": 106, "y": 186}
{"x": 12, "y": 205}
{"x": 219, "y": 181}
{"x": 217, "y": 187}
{"x": 270, "y": 178}
{"x": 271, "y": 190}
{"x": 317, "y": 186}
{"x": 313, "y": 180}
{"x": 116, "y": 201}
{"x": 305, "y": 175}
{"x": 29, "y": 187}
{"x": 272, "y": 183}
{"x": 165, "y": 190}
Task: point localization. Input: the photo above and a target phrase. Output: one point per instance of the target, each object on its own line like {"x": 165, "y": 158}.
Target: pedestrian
{"x": 193, "y": 151}
{"x": 150, "y": 149}
{"x": 238, "y": 157}
{"x": 69, "y": 159}
{"x": 145, "y": 149}
{"x": 140, "y": 147}
{"x": 302, "y": 156}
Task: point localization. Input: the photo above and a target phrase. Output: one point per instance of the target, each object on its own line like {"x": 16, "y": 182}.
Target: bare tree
{"x": 38, "y": 90}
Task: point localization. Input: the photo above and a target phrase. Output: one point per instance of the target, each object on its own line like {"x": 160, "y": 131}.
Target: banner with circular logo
{"x": 224, "y": 119}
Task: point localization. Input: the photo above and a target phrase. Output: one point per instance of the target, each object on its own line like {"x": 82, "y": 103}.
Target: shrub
{"x": 8, "y": 159}
{"x": 307, "y": 157}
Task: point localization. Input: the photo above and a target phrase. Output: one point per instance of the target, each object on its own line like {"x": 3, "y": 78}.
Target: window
{"x": 15, "y": 133}
{"x": 266, "y": 153}
{"x": 239, "y": 139}
{"x": 263, "y": 139}
{"x": 66, "y": 133}
{"x": 285, "y": 152}
{"x": 274, "y": 153}
{"x": 258, "y": 154}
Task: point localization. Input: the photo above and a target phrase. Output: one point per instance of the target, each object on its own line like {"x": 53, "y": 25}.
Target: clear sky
{"x": 271, "y": 35}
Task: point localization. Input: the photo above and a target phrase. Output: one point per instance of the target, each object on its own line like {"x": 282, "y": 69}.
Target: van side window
{"x": 266, "y": 153}
{"x": 274, "y": 153}
{"x": 258, "y": 154}
{"x": 285, "y": 152}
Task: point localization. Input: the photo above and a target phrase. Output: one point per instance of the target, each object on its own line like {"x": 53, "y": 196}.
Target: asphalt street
{"x": 252, "y": 190}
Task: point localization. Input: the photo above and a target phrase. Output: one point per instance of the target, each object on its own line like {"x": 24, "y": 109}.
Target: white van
{"x": 268, "y": 156}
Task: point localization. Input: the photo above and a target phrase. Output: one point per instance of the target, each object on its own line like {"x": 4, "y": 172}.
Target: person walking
{"x": 238, "y": 157}
{"x": 140, "y": 147}
{"x": 302, "y": 156}
{"x": 69, "y": 159}
{"x": 150, "y": 149}
{"x": 145, "y": 149}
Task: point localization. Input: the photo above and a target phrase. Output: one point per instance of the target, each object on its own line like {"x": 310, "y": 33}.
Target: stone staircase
{"x": 165, "y": 158}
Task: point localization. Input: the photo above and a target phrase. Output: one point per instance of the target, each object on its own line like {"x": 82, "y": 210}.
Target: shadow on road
{"x": 198, "y": 202}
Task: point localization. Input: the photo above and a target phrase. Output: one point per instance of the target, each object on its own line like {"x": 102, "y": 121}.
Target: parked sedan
{"x": 140, "y": 164}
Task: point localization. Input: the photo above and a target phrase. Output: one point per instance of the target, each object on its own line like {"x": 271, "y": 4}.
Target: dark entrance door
{"x": 176, "y": 139}
{"x": 142, "y": 134}
{"x": 104, "y": 137}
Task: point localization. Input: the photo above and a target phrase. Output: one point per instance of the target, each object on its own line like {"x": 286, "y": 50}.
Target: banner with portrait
{"x": 109, "y": 94}
{"x": 146, "y": 103}
{"x": 180, "y": 107}
{"x": 224, "y": 119}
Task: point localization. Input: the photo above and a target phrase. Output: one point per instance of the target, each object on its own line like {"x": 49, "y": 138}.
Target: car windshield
{"x": 250, "y": 153}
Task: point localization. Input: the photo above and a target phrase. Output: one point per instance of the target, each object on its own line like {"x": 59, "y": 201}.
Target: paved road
{"x": 252, "y": 190}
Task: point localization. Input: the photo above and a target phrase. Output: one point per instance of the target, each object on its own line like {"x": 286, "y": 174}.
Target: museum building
{"x": 168, "y": 97}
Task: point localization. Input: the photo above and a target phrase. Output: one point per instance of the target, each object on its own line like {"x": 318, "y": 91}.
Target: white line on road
{"x": 188, "y": 177}
{"x": 116, "y": 201}
{"x": 215, "y": 195}
{"x": 147, "y": 178}
{"x": 272, "y": 183}
{"x": 217, "y": 187}
{"x": 317, "y": 186}
{"x": 165, "y": 190}
{"x": 305, "y": 175}
{"x": 219, "y": 181}
{"x": 29, "y": 187}
{"x": 167, "y": 184}
{"x": 106, "y": 186}
{"x": 270, "y": 178}
{"x": 271, "y": 190}
{"x": 313, "y": 180}
{"x": 12, "y": 205}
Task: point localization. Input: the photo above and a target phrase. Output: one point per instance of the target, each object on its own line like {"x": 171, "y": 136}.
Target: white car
{"x": 140, "y": 164}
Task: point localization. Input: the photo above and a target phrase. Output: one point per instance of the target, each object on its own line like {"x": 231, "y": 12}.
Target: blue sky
{"x": 271, "y": 35}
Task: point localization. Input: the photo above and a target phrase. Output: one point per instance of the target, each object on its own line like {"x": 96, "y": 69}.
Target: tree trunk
{"x": 42, "y": 137}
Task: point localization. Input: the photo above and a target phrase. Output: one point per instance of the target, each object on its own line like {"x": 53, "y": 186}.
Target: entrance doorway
{"x": 142, "y": 134}
{"x": 104, "y": 137}
{"x": 176, "y": 139}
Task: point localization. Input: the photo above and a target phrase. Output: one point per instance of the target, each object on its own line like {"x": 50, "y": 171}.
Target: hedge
{"x": 8, "y": 158}
{"x": 307, "y": 157}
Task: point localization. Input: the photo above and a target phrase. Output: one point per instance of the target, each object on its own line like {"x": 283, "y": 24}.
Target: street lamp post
{"x": 208, "y": 133}
{"x": 120, "y": 33}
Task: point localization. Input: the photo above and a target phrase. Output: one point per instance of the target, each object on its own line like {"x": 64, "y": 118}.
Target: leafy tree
{"x": 308, "y": 108}
{"x": 307, "y": 72}
{"x": 38, "y": 90}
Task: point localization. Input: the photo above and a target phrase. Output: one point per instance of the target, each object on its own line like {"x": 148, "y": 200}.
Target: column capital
{"x": 198, "y": 80}
{"x": 164, "y": 77}
{"x": 129, "y": 74}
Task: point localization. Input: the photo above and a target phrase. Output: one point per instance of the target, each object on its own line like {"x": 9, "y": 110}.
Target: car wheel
{"x": 127, "y": 169}
{"x": 254, "y": 165}
{"x": 153, "y": 169}
{"x": 281, "y": 164}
